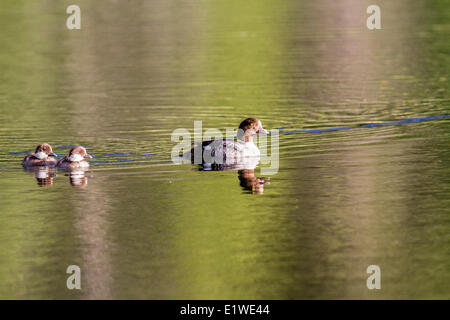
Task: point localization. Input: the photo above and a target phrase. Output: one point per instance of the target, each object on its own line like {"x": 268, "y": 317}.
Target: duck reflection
{"x": 44, "y": 175}
{"x": 251, "y": 183}
{"x": 246, "y": 174}
{"x": 78, "y": 178}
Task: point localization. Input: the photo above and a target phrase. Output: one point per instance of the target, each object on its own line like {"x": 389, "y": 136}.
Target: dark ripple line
{"x": 369, "y": 125}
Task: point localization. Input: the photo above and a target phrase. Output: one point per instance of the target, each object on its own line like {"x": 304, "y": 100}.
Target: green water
{"x": 142, "y": 227}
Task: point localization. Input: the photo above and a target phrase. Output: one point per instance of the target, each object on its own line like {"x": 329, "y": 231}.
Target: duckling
{"x": 75, "y": 159}
{"x": 42, "y": 156}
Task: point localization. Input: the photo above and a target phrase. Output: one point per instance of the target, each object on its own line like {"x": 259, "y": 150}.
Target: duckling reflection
{"x": 249, "y": 182}
{"x": 44, "y": 175}
{"x": 77, "y": 178}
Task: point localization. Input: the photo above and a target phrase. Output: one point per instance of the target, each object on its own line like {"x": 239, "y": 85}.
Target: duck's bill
{"x": 88, "y": 156}
{"x": 262, "y": 131}
{"x": 52, "y": 154}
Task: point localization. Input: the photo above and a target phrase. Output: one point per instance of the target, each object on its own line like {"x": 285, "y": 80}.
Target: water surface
{"x": 141, "y": 227}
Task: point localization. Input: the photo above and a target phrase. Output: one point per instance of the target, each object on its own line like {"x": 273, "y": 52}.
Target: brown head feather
{"x": 44, "y": 147}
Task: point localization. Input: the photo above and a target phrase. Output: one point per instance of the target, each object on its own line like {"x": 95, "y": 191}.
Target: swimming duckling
{"x": 42, "y": 156}
{"x": 75, "y": 159}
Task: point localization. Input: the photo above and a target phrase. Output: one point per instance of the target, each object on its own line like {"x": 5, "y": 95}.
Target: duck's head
{"x": 43, "y": 151}
{"x": 249, "y": 127}
{"x": 78, "y": 153}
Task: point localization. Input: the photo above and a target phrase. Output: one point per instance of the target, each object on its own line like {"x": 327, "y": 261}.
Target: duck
{"x": 42, "y": 156}
{"x": 75, "y": 159}
{"x": 225, "y": 154}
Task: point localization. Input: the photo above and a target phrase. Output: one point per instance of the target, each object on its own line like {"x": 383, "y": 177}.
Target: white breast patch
{"x": 75, "y": 157}
{"x": 40, "y": 155}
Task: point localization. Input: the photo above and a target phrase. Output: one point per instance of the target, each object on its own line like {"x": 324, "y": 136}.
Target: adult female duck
{"x": 225, "y": 154}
